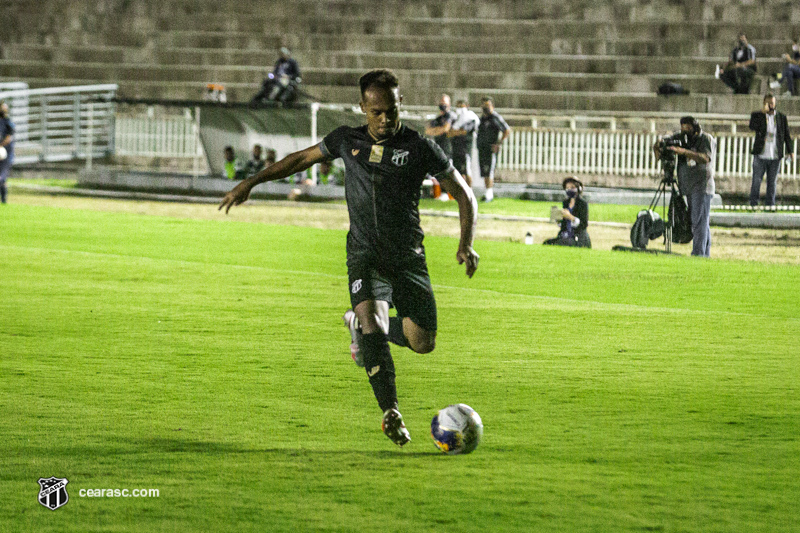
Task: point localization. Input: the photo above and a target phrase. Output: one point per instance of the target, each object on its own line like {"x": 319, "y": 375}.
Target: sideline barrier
{"x": 62, "y": 123}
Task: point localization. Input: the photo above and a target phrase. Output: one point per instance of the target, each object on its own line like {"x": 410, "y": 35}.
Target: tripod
{"x": 661, "y": 194}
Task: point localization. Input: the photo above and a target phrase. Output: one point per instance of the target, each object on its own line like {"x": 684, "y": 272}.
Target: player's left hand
{"x": 470, "y": 257}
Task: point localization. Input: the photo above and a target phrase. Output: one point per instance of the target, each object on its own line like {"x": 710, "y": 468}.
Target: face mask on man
{"x": 442, "y": 107}
{"x": 571, "y": 193}
{"x": 742, "y": 43}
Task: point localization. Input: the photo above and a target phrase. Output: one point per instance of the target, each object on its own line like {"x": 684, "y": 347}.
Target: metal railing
{"x": 164, "y": 136}
{"x": 617, "y": 152}
{"x": 62, "y": 123}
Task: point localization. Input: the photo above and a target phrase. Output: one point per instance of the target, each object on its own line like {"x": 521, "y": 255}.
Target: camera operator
{"x": 697, "y": 151}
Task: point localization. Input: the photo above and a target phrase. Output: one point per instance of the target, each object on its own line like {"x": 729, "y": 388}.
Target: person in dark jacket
{"x": 7, "y": 152}
{"x": 741, "y": 69}
{"x": 772, "y": 142}
{"x": 576, "y": 217}
{"x": 281, "y": 85}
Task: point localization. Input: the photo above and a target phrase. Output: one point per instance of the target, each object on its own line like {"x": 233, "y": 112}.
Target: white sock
{"x": 489, "y": 194}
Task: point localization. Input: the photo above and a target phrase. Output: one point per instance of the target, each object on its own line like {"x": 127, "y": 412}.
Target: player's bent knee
{"x": 423, "y": 342}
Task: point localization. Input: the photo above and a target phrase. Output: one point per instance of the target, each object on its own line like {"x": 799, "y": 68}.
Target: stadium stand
{"x": 543, "y": 54}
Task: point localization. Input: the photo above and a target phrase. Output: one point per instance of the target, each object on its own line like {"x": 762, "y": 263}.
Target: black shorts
{"x": 487, "y": 161}
{"x": 462, "y": 162}
{"x": 405, "y": 285}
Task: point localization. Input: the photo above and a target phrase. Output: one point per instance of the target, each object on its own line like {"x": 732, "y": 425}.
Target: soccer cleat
{"x": 351, "y": 322}
{"x": 394, "y": 428}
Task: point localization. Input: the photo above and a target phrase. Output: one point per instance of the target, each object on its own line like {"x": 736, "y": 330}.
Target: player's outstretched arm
{"x": 454, "y": 184}
{"x": 291, "y": 164}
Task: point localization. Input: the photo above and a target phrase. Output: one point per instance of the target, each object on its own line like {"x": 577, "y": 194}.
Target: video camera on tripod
{"x": 667, "y": 156}
{"x": 674, "y": 223}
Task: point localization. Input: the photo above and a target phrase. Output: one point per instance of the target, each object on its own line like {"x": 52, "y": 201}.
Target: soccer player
{"x": 385, "y": 164}
{"x": 491, "y": 127}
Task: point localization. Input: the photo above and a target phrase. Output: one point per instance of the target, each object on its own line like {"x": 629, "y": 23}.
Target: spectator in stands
{"x": 575, "y": 217}
{"x": 771, "y": 143}
{"x": 489, "y": 141}
{"x": 791, "y": 70}
{"x": 741, "y": 68}
{"x": 281, "y": 85}
{"x": 6, "y": 145}
{"x": 438, "y": 127}
{"x": 256, "y": 163}
{"x": 232, "y": 169}
{"x": 328, "y": 174}
{"x": 462, "y": 135}
{"x": 696, "y": 159}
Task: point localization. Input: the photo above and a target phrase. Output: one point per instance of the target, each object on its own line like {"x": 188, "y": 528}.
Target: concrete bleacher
{"x": 543, "y": 54}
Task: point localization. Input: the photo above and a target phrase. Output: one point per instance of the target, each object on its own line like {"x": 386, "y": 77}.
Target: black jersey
{"x": 489, "y": 128}
{"x": 6, "y": 129}
{"x": 382, "y": 186}
{"x": 448, "y": 117}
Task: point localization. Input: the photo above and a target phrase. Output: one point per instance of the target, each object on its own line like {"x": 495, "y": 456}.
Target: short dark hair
{"x": 768, "y": 96}
{"x": 692, "y": 122}
{"x": 381, "y": 78}
{"x": 228, "y": 148}
{"x": 487, "y": 99}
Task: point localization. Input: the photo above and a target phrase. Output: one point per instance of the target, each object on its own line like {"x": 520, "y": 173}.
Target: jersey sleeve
{"x": 333, "y": 143}
{"x": 501, "y": 123}
{"x": 434, "y": 160}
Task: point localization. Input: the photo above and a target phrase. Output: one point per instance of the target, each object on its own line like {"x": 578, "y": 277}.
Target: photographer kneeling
{"x": 696, "y": 151}
{"x": 576, "y": 217}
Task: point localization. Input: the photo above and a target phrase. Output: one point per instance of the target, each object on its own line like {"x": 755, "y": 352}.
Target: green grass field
{"x": 206, "y": 359}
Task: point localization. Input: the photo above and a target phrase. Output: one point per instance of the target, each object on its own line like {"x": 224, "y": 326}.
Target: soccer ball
{"x": 457, "y": 429}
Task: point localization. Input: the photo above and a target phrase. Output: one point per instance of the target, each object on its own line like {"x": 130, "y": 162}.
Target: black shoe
{"x": 394, "y": 428}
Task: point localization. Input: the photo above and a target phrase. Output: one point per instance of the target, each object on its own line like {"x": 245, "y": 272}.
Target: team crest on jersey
{"x": 53, "y": 492}
{"x": 400, "y": 157}
{"x": 356, "y": 286}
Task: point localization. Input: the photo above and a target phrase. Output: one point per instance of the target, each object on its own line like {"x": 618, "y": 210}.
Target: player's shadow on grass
{"x": 167, "y": 445}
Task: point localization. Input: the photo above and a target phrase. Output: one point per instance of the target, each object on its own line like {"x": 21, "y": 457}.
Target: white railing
{"x": 166, "y": 136}
{"x": 616, "y": 152}
{"x": 62, "y": 123}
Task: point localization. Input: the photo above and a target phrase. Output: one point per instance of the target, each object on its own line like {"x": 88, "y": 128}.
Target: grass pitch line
{"x": 214, "y": 200}
{"x": 563, "y": 302}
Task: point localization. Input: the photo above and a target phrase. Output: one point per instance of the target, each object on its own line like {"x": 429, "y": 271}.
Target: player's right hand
{"x": 235, "y": 196}
{"x": 470, "y": 257}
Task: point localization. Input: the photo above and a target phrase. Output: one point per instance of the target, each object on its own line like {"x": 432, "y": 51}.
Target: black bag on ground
{"x": 670, "y": 88}
{"x": 648, "y": 226}
{"x": 681, "y": 219}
